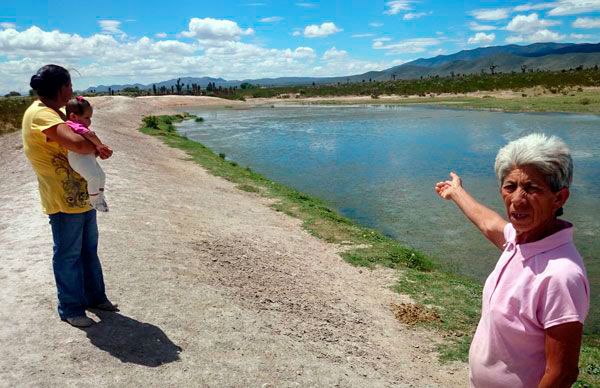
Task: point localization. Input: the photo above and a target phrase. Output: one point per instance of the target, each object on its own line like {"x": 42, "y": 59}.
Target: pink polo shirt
{"x": 534, "y": 286}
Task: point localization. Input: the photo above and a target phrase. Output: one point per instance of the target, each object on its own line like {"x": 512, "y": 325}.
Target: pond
{"x": 378, "y": 164}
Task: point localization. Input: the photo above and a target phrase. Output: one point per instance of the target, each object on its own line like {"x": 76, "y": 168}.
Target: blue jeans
{"x": 76, "y": 265}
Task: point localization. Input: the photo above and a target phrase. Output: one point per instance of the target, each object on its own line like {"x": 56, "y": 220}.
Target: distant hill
{"x": 537, "y": 56}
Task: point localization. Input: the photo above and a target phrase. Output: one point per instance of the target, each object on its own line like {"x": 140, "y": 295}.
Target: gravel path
{"x": 215, "y": 288}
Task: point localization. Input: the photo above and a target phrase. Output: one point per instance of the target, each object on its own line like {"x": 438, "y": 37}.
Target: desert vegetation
{"x": 11, "y": 112}
{"x": 563, "y": 82}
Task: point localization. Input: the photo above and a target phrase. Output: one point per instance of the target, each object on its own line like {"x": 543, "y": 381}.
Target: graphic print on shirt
{"x": 74, "y": 185}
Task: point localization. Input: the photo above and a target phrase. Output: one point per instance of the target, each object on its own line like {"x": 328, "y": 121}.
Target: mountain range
{"x": 537, "y": 56}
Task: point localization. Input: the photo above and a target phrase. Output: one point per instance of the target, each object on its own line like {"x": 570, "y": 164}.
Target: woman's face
{"x": 529, "y": 201}
{"x": 65, "y": 93}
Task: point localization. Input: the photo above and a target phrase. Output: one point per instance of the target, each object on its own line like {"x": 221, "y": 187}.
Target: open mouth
{"x": 518, "y": 215}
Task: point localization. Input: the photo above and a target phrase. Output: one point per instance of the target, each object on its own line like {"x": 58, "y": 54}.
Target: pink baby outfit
{"x": 87, "y": 166}
{"x": 77, "y": 127}
{"x": 534, "y": 286}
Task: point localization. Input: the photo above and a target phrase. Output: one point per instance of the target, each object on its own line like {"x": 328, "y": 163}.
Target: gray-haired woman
{"x": 537, "y": 297}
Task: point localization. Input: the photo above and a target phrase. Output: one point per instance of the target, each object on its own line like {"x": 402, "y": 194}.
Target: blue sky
{"x": 110, "y": 42}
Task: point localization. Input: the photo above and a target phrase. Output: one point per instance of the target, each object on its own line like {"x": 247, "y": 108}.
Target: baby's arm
{"x": 102, "y": 149}
{"x": 91, "y": 136}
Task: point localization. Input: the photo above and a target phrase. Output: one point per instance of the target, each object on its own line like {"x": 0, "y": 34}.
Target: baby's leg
{"x": 89, "y": 169}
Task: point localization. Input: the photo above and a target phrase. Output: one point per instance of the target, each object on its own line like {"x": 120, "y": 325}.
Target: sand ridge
{"x": 215, "y": 287}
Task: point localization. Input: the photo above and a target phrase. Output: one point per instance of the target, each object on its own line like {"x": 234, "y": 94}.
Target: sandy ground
{"x": 393, "y": 98}
{"x": 215, "y": 288}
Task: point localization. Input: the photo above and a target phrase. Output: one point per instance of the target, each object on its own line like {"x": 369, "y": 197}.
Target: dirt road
{"x": 215, "y": 288}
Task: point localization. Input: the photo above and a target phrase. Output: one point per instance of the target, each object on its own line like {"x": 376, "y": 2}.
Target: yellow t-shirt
{"x": 61, "y": 188}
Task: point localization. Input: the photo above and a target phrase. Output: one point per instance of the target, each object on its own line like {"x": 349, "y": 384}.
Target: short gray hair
{"x": 550, "y": 155}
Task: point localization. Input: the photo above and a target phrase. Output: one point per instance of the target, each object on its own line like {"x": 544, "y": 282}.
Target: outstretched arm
{"x": 490, "y": 223}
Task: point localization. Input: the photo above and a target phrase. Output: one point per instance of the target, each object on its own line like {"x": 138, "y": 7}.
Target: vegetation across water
{"x": 565, "y": 82}
{"x": 584, "y": 101}
{"x": 453, "y": 301}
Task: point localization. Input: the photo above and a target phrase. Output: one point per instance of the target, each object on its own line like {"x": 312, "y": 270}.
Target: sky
{"x": 119, "y": 42}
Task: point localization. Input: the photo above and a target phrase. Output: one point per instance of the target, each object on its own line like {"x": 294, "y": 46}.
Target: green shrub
{"x": 151, "y": 122}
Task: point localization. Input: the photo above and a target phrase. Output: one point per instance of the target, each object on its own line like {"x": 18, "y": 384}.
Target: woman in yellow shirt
{"x": 46, "y": 139}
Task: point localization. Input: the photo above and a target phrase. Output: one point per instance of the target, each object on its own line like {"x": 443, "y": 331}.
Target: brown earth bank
{"x": 215, "y": 287}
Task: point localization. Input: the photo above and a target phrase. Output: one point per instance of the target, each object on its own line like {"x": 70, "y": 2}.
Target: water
{"x": 378, "y": 165}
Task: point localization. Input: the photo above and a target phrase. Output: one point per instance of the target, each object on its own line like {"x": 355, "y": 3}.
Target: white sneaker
{"x": 98, "y": 202}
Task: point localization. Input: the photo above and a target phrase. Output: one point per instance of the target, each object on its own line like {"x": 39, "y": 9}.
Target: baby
{"x": 79, "y": 117}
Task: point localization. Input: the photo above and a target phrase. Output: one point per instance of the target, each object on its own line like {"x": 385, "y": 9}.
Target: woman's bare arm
{"x": 63, "y": 135}
{"x": 562, "y": 346}
{"x": 490, "y": 223}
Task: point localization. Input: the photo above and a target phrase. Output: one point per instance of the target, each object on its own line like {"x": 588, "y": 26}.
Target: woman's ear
{"x": 561, "y": 197}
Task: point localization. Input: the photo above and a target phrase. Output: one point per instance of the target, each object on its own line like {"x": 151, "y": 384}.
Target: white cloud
{"x": 334, "y": 54}
{"x": 376, "y": 25}
{"x": 416, "y": 15}
{"x": 110, "y": 26}
{"x": 296, "y": 33}
{"x": 538, "y": 36}
{"x": 491, "y": 14}
{"x": 306, "y": 5}
{"x": 215, "y": 30}
{"x": 482, "y": 38}
{"x": 303, "y": 52}
{"x": 573, "y": 7}
{"x": 586, "y": 23}
{"x": 397, "y": 6}
{"x": 407, "y": 46}
{"x": 160, "y": 35}
{"x": 585, "y": 37}
{"x": 367, "y": 35}
{"x": 102, "y": 59}
{"x": 272, "y": 19}
{"x": 325, "y": 29}
{"x": 534, "y": 7}
{"x": 7, "y": 25}
{"x": 35, "y": 42}
{"x": 529, "y": 23}
{"x": 480, "y": 27}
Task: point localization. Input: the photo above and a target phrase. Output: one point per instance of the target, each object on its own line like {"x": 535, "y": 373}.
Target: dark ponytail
{"x": 49, "y": 79}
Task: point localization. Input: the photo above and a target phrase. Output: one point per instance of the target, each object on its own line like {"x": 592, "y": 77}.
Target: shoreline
{"x": 537, "y": 100}
{"x": 501, "y": 101}
{"x": 416, "y": 282}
